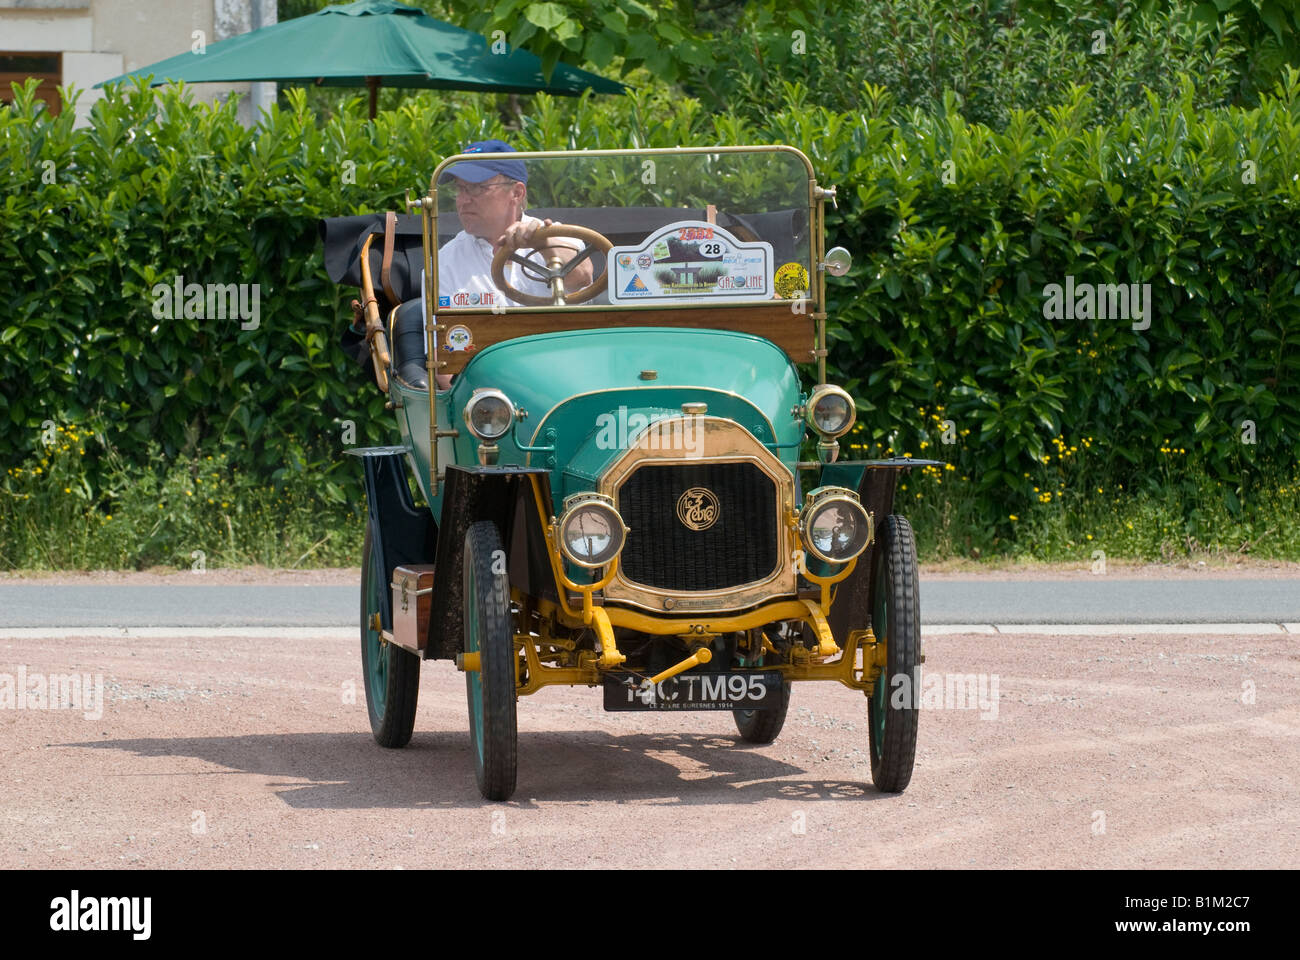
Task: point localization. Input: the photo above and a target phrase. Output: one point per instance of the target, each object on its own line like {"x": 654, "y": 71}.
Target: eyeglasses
{"x": 475, "y": 189}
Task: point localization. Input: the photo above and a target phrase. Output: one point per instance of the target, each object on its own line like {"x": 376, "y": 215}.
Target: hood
{"x": 580, "y": 384}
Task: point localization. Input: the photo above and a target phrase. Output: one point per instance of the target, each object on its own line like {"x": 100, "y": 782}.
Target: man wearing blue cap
{"x": 491, "y": 195}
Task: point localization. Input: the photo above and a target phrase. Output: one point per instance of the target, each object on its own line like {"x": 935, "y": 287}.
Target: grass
{"x": 1191, "y": 518}
{"x": 76, "y": 505}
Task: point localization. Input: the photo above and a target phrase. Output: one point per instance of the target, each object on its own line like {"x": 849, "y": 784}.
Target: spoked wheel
{"x": 489, "y": 632}
{"x": 893, "y": 711}
{"x": 762, "y": 726}
{"x": 392, "y": 675}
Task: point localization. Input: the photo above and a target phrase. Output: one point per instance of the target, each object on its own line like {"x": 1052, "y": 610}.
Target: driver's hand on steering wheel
{"x": 519, "y": 235}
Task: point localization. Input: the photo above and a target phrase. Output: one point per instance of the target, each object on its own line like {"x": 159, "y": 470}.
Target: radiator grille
{"x": 664, "y": 553}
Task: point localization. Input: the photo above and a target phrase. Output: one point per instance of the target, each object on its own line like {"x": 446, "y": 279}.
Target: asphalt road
{"x": 1091, "y": 600}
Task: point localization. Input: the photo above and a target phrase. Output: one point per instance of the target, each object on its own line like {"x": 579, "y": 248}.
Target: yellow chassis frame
{"x": 826, "y": 662}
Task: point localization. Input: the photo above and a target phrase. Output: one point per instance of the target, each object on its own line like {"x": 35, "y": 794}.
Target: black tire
{"x": 896, "y": 619}
{"x": 762, "y": 726}
{"x": 490, "y": 690}
{"x": 391, "y": 675}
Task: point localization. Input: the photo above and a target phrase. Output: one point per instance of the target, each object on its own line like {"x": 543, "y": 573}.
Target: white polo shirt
{"x": 465, "y": 271}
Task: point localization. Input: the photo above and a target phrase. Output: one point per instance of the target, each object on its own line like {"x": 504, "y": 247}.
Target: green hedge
{"x": 942, "y": 316}
{"x": 947, "y": 305}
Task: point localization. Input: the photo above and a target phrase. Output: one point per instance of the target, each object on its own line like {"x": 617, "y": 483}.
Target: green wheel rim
{"x": 377, "y": 655}
{"x": 474, "y": 678}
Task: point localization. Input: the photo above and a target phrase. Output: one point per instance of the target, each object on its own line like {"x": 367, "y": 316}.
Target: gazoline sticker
{"x": 690, "y": 262}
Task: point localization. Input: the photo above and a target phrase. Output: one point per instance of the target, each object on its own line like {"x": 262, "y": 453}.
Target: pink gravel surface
{"x": 1146, "y": 751}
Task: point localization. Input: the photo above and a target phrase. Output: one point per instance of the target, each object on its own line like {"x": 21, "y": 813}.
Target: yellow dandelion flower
{"x": 1012, "y": 516}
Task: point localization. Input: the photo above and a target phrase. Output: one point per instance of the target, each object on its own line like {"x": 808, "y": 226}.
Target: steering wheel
{"x": 552, "y": 271}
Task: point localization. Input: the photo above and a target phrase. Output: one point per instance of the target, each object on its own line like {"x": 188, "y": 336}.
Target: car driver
{"x": 491, "y": 195}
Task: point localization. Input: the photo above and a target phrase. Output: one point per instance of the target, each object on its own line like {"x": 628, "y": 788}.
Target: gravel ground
{"x": 220, "y": 753}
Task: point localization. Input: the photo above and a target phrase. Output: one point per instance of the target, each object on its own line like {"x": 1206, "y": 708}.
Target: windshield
{"x": 667, "y": 229}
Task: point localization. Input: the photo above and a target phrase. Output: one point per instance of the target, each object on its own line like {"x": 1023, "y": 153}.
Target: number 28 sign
{"x": 691, "y": 261}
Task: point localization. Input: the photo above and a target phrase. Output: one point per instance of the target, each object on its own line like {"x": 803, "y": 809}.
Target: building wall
{"x": 103, "y": 38}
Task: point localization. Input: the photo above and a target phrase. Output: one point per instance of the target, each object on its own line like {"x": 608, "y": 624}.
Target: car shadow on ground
{"x": 349, "y": 770}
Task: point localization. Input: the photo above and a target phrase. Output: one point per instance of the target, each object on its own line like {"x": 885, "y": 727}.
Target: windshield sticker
{"x": 791, "y": 281}
{"x": 690, "y": 262}
{"x": 470, "y": 298}
{"x": 459, "y": 339}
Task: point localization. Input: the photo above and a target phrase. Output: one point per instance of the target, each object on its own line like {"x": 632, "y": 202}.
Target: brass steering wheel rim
{"x": 582, "y": 295}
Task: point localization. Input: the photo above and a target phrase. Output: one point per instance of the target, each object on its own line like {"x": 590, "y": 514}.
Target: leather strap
{"x": 386, "y": 265}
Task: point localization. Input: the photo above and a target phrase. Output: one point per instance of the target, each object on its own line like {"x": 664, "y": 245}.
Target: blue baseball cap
{"x": 480, "y": 170}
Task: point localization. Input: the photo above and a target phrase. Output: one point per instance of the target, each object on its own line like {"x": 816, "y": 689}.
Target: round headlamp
{"x": 830, "y": 410}
{"x": 489, "y": 414}
{"x": 833, "y": 525}
{"x": 591, "y": 531}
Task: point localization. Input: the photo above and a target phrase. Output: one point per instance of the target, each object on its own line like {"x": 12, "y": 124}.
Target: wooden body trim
{"x": 777, "y": 321}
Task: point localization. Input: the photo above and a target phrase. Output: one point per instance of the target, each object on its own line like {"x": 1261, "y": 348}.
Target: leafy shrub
{"x": 961, "y": 230}
{"x": 957, "y": 230}
{"x": 994, "y": 56}
{"x": 79, "y": 504}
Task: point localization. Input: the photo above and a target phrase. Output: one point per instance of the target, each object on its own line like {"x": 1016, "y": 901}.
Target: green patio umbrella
{"x": 370, "y": 42}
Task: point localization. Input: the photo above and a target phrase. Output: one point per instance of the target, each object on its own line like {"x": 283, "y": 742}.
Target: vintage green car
{"x": 612, "y": 484}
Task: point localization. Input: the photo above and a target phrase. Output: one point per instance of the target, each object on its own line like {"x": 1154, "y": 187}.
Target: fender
{"x": 404, "y": 533}
{"x": 875, "y": 481}
{"x": 504, "y": 495}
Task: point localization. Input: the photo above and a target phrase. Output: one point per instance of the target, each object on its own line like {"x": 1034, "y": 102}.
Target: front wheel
{"x": 489, "y": 632}
{"x": 392, "y": 675}
{"x": 893, "y": 712}
{"x": 762, "y": 726}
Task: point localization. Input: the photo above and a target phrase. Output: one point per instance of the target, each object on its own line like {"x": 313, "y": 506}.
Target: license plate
{"x": 754, "y": 690}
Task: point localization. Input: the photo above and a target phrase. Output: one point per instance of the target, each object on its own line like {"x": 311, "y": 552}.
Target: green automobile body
{"x": 583, "y": 389}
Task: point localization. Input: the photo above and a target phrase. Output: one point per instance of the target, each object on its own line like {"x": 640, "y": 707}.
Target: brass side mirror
{"x": 837, "y": 262}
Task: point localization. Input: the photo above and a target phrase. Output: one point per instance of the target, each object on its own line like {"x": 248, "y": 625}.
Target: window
{"x": 47, "y": 67}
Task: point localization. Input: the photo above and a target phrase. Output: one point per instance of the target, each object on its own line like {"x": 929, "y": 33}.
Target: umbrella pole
{"x": 373, "y": 84}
